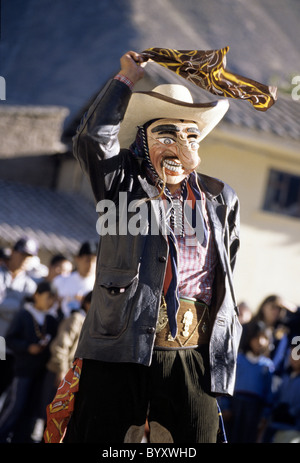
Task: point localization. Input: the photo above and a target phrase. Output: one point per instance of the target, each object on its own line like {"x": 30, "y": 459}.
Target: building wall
{"x": 269, "y": 257}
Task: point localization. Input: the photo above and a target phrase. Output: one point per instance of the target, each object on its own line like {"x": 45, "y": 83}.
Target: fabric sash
{"x": 60, "y": 410}
{"x": 206, "y": 69}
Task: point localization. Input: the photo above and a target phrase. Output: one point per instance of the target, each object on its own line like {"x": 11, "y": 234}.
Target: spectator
{"x": 291, "y": 328}
{"x": 29, "y": 337}
{"x": 59, "y": 265}
{"x": 15, "y": 285}
{"x": 245, "y": 313}
{"x": 273, "y": 312}
{"x": 285, "y": 422}
{"x": 247, "y": 411}
{"x": 4, "y": 256}
{"x": 73, "y": 287}
{"x": 63, "y": 347}
{"x": 35, "y": 269}
{"x": 14, "y": 282}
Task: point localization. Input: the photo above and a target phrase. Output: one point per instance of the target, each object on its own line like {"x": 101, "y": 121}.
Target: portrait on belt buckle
{"x": 187, "y": 321}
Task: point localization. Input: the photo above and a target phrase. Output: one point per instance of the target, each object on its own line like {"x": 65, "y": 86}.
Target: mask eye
{"x": 166, "y": 140}
{"x": 194, "y": 145}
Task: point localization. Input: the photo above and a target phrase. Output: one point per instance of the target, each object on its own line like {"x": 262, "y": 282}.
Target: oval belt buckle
{"x": 187, "y": 321}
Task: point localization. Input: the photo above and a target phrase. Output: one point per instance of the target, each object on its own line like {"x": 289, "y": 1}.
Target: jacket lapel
{"x": 217, "y": 213}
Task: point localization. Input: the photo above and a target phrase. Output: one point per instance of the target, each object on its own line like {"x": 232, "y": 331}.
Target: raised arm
{"x": 96, "y": 139}
{"x": 132, "y": 66}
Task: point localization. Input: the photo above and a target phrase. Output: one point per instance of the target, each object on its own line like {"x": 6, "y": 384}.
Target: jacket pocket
{"x": 112, "y": 301}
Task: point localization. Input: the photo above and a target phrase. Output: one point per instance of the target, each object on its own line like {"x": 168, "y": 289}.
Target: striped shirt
{"x": 196, "y": 264}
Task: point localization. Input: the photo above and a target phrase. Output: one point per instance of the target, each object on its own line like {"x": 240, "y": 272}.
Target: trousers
{"x": 173, "y": 394}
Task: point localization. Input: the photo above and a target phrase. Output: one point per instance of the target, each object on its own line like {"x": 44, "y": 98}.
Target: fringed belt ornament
{"x": 192, "y": 323}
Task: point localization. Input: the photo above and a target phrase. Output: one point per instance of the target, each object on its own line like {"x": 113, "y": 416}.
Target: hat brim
{"x": 145, "y": 106}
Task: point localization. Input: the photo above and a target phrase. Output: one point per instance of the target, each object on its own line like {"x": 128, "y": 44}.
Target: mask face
{"x": 173, "y": 144}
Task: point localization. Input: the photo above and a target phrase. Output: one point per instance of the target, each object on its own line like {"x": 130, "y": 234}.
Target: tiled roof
{"x": 59, "y": 221}
{"x": 282, "y": 119}
{"x": 64, "y": 56}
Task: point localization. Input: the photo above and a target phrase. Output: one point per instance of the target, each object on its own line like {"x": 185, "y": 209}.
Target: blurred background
{"x": 56, "y": 56}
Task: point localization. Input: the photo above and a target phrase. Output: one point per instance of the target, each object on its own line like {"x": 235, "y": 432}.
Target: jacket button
{"x": 151, "y": 330}
{"x": 162, "y": 259}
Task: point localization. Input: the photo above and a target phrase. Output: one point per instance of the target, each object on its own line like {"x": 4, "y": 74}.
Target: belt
{"x": 192, "y": 325}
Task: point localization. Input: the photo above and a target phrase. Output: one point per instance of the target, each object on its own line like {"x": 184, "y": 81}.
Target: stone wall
{"x": 31, "y": 130}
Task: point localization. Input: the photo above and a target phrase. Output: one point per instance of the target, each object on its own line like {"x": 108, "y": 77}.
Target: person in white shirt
{"x": 73, "y": 287}
{"x": 15, "y": 286}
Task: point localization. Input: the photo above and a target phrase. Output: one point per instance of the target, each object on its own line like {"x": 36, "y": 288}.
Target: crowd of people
{"x": 41, "y": 318}
{"x": 265, "y": 406}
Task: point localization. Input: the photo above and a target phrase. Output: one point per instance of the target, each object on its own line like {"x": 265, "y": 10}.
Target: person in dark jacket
{"x": 161, "y": 337}
{"x": 29, "y": 337}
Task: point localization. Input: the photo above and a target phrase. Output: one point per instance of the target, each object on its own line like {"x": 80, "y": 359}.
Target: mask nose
{"x": 183, "y": 146}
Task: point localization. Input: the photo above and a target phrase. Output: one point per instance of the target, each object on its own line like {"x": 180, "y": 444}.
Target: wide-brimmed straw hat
{"x": 169, "y": 101}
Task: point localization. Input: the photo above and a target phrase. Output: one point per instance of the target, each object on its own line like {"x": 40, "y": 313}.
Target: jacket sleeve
{"x": 232, "y": 226}
{"x": 96, "y": 144}
{"x": 234, "y": 231}
{"x": 64, "y": 344}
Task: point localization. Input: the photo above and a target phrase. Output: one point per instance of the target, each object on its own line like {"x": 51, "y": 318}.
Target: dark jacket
{"x": 20, "y": 335}
{"x": 120, "y": 325}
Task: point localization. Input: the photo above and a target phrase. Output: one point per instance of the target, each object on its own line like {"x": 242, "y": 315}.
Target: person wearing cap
{"x": 160, "y": 339}
{"x": 58, "y": 265}
{"x": 71, "y": 288}
{"x": 15, "y": 286}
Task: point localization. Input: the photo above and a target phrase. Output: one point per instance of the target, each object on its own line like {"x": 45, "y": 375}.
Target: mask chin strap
{"x": 175, "y": 215}
{"x": 161, "y": 183}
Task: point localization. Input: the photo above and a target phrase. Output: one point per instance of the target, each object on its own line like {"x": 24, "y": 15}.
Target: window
{"x": 283, "y": 193}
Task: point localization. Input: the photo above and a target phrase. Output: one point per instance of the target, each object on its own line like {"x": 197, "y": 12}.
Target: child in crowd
{"x": 71, "y": 288}
{"x": 285, "y": 422}
{"x": 29, "y": 337}
{"x": 246, "y": 412}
